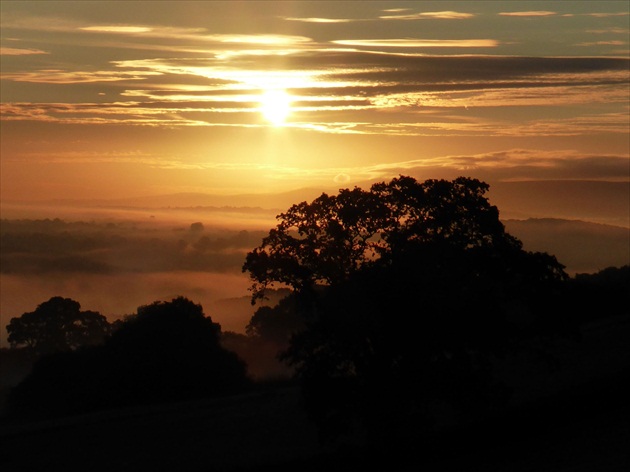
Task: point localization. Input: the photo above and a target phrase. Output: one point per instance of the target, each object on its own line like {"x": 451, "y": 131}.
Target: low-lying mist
{"x": 115, "y": 256}
{"x": 114, "y": 267}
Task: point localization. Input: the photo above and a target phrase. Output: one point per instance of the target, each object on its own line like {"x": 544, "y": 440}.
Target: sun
{"x": 275, "y": 106}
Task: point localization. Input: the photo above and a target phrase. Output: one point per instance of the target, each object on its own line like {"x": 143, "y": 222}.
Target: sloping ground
{"x": 570, "y": 416}
{"x": 587, "y": 431}
{"x": 583, "y": 426}
{"x": 204, "y": 435}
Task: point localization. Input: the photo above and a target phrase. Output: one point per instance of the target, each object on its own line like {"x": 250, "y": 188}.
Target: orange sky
{"x": 116, "y": 99}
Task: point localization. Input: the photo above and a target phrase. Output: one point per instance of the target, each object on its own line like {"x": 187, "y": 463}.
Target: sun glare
{"x": 275, "y": 106}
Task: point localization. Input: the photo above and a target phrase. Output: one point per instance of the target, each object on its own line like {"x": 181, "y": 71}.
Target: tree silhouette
{"x": 276, "y": 324}
{"x": 319, "y": 242}
{"x": 406, "y": 291}
{"x": 602, "y": 294}
{"x": 57, "y": 325}
{"x": 171, "y": 349}
{"x": 168, "y": 351}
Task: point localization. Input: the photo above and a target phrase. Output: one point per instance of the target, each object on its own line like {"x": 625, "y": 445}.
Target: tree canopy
{"x": 323, "y": 242}
{"x": 56, "y": 325}
{"x": 276, "y": 323}
{"x": 405, "y": 290}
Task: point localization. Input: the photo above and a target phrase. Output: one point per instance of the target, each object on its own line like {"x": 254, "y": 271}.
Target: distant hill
{"x": 595, "y": 201}
{"x": 279, "y": 201}
{"x": 603, "y": 202}
{"x": 599, "y": 202}
{"x": 581, "y": 246}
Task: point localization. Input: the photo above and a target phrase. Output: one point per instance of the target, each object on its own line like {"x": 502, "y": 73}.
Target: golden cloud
{"x": 117, "y": 29}
{"x": 421, "y": 43}
{"x": 58, "y": 76}
{"x": 320, "y": 20}
{"x": 20, "y": 52}
{"x": 529, "y": 13}
{"x": 443, "y": 15}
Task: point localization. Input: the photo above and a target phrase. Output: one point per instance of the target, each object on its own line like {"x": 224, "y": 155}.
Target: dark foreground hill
{"x": 587, "y": 431}
{"x": 573, "y": 417}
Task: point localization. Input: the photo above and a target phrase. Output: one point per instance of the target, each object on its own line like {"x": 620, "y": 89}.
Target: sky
{"x": 126, "y": 99}
{"x": 133, "y": 108}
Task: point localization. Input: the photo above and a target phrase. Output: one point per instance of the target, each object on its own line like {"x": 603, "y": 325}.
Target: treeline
{"x": 166, "y": 349}
{"x": 165, "y": 352}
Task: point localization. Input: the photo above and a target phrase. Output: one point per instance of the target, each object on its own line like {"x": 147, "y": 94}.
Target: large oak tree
{"x": 406, "y": 291}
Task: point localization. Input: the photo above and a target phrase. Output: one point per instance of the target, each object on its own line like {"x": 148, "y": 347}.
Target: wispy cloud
{"x": 349, "y": 87}
{"x": 198, "y": 35}
{"x": 516, "y": 163}
{"x": 421, "y": 43}
{"x": 605, "y": 14}
{"x": 603, "y": 43}
{"x": 441, "y": 15}
{"x": 58, "y": 76}
{"x": 167, "y": 38}
{"x": 529, "y": 13}
{"x": 20, "y": 52}
{"x": 117, "y": 29}
{"x": 404, "y": 14}
{"x": 542, "y": 93}
{"x": 395, "y": 84}
{"x": 512, "y": 164}
{"x": 319, "y": 20}
{"x": 611, "y": 30}
{"x": 466, "y": 126}
{"x": 260, "y": 39}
